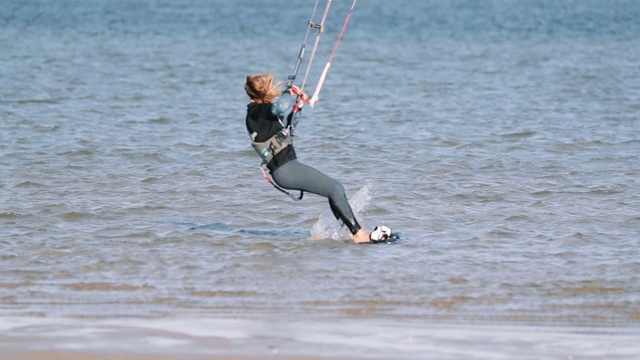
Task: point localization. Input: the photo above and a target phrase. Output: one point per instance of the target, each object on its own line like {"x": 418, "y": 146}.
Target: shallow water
{"x": 500, "y": 138}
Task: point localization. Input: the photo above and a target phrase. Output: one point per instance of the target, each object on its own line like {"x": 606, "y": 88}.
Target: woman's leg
{"x": 296, "y": 176}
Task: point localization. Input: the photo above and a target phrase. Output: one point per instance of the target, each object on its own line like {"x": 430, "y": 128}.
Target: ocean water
{"x": 500, "y": 138}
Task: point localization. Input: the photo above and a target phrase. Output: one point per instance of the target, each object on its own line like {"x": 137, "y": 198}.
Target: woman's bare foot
{"x": 361, "y": 237}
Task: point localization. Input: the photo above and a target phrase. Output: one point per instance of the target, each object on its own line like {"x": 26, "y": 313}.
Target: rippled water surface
{"x": 500, "y": 138}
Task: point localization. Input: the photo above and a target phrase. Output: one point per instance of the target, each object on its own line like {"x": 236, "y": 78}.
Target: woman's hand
{"x": 301, "y": 94}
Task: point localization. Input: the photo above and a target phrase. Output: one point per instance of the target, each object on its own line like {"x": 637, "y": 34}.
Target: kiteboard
{"x": 383, "y": 235}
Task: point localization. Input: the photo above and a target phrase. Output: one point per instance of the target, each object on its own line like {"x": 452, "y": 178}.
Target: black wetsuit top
{"x": 260, "y": 120}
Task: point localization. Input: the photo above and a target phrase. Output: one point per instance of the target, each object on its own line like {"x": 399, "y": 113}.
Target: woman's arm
{"x": 283, "y": 105}
{"x": 285, "y": 102}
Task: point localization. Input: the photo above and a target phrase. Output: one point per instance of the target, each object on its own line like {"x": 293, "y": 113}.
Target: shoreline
{"x": 77, "y": 355}
{"x": 23, "y": 338}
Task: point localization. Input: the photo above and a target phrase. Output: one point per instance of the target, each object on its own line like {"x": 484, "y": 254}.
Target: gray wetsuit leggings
{"x": 294, "y": 175}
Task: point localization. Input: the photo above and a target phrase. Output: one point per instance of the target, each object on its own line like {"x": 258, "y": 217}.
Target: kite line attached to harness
{"x": 293, "y": 121}
{"x": 323, "y": 76}
{"x": 294, "y": 117}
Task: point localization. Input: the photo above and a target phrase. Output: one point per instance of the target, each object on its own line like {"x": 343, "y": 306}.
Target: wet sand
{"x": 23, "y": 338}
{"x": 73, "y": 355}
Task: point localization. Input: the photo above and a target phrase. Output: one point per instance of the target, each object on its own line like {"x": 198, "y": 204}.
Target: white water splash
{"x": 327, "y": 227}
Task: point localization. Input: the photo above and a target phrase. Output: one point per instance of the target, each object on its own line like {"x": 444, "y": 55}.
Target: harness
{"x": 270, "y": 148}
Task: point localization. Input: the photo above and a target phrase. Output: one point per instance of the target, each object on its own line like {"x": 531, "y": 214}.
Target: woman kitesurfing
{"x": 269, "y": 105}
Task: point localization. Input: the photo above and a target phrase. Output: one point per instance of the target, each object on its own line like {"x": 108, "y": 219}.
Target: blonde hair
{"x": 261, "y": 88}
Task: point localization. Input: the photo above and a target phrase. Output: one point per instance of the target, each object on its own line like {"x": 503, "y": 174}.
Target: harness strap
{"x": 268, "y": 178}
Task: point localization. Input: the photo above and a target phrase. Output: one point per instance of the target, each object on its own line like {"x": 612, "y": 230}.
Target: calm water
{"x": 500, "y": 138}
